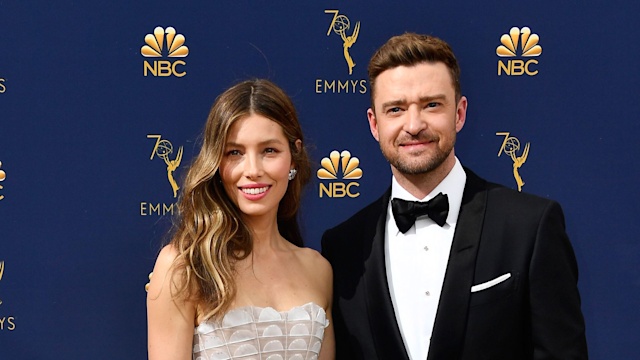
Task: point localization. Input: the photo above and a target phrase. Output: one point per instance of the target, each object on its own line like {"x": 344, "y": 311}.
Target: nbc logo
{"x": 156, "y": 43}
{"x": 528, "y": 43}
{"x": 348, "y": 166}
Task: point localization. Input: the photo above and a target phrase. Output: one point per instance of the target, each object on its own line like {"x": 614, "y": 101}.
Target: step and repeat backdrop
{"x": 102, "y": 105}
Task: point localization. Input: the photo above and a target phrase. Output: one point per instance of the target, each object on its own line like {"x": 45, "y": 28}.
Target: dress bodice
{"x": 255, "y": 333}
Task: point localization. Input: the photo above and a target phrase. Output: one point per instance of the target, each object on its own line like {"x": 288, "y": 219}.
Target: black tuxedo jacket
{"x": 534, "y": 314}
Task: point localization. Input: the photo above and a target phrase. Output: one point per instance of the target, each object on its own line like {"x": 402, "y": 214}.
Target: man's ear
{"x": 373, "y": 123}
{"x": 461, "y": 113}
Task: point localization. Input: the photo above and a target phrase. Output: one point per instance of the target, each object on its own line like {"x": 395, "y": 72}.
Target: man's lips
{"x": 415, "y": 144}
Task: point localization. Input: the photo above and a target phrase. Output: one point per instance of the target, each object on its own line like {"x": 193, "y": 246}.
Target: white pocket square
{"x": 490, "y": 283}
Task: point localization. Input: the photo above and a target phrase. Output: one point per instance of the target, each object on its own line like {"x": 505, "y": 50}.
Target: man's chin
{"x": 418, "y": 167}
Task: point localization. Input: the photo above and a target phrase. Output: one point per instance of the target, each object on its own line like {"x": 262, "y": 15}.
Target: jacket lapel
{"x": 384, "y": 327}
{"x": 448, "y": 335}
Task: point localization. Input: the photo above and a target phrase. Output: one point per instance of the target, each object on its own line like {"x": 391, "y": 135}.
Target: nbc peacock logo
{"x": 164, "y": 41}
{"x": 518, "y": 39}
{"x": 335, "y": 165}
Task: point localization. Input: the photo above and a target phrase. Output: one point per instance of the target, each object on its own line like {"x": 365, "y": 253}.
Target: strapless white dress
{"x": 255, "y": 333}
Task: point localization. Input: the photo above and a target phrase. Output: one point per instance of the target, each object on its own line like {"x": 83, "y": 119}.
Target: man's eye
{"x": 394, "y": 110}
{"x": 432, "y": 104}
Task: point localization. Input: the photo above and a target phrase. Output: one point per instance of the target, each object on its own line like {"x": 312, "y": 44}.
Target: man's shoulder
{"x": 365, "y": 216}
{"x": 501, "y": 194}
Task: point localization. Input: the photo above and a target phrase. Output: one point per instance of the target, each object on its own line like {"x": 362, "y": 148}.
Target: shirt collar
{"x": 452, "y": 185}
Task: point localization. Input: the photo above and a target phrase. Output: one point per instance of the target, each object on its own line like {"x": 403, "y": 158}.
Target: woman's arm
{"x": 170, "y": 321}
{"x": 328, "y": 349}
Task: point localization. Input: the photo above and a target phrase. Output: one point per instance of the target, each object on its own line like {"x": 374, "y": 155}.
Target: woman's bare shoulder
{"x": 163, "y": 269}
{"x": 315, "y": 262}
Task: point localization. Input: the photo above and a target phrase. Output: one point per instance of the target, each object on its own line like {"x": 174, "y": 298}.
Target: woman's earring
{"x": 292, "y": 174}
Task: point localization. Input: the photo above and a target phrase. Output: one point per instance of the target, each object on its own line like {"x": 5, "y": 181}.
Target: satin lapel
{"x": 448, "y": 335}
{"x": 384, "y": 327}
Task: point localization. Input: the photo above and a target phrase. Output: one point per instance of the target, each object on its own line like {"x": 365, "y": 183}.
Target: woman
{"x": 235, "y": 270}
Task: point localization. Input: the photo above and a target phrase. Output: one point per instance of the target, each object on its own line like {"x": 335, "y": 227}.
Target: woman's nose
{"x": 253, "y": 166}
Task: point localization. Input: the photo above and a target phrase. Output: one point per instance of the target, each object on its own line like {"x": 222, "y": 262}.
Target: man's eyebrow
{"x": 394, "y": 103}
{"x": 422, "y": 99}
{"x": 433, "y": 97}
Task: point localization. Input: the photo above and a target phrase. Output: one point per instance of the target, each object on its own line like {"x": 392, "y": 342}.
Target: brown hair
{"x": 210, "y": 235}
{"x": 411, "y": 49}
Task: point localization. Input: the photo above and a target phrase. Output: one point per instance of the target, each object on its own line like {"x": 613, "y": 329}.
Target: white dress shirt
{"x": 416, "y": 262}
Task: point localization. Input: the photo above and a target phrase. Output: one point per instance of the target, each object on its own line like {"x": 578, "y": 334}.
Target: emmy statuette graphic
{"x": 510, "y": 146}
{"x": 163, "y": 149}
{"x": 340, "y": 24}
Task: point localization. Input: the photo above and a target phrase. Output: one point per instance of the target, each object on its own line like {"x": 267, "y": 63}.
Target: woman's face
{"x": 255, "y": 165}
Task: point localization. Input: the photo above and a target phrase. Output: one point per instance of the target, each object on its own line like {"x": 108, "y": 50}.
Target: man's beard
{"x": 422, "y": 165}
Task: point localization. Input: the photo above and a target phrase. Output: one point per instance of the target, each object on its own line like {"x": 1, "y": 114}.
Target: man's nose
{"x": 414, "y": 122}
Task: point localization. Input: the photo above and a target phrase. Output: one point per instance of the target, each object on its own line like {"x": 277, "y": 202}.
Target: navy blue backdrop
{"x": 94, "y": 129}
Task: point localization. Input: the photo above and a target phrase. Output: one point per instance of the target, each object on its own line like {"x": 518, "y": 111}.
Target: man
{"x": 489, "y": 273}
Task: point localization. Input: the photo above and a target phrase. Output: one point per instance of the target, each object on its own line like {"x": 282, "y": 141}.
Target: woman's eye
{"x": 233, "y": 152}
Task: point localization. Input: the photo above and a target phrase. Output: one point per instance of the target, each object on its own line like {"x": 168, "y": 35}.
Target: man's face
{"x": 416, "y": 118}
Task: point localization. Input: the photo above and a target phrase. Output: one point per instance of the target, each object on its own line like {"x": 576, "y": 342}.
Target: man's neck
{"x": 420, "y": 185}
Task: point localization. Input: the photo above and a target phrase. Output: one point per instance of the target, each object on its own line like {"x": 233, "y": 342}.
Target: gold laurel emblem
{"x": 3, "y": 175}
{"x": 524, "y": 37}
{"x": 510, "y": 146}
{"x": 163, "y": 149}
{"x": 155, "y": 42}
{"x": 340, "y": 160}
{"x": 339, "y": 25}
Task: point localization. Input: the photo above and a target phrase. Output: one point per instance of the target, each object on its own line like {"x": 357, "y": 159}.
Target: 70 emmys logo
{"x": 163, "y": 149}
{"x": 340, "y": 25}
{"x": 529, "y": 45}
{"x": 510, "y": 146}
{"x": 329, "y": 171}
{"x": 6, "y": 322}
{"x": 155, "y": 43}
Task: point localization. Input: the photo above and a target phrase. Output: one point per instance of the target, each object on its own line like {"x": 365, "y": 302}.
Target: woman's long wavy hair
{"x": 210, "y": 234}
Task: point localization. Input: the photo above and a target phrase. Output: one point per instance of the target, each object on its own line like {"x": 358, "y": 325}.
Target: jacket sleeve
{"x": 343, "y": 350}
{"x": 557, "y": 324}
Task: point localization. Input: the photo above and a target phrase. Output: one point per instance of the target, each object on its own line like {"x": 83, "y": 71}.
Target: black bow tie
{"x": 406, "y": 212}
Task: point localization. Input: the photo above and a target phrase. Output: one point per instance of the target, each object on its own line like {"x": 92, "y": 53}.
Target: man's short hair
{"x": 411, "y": 49}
